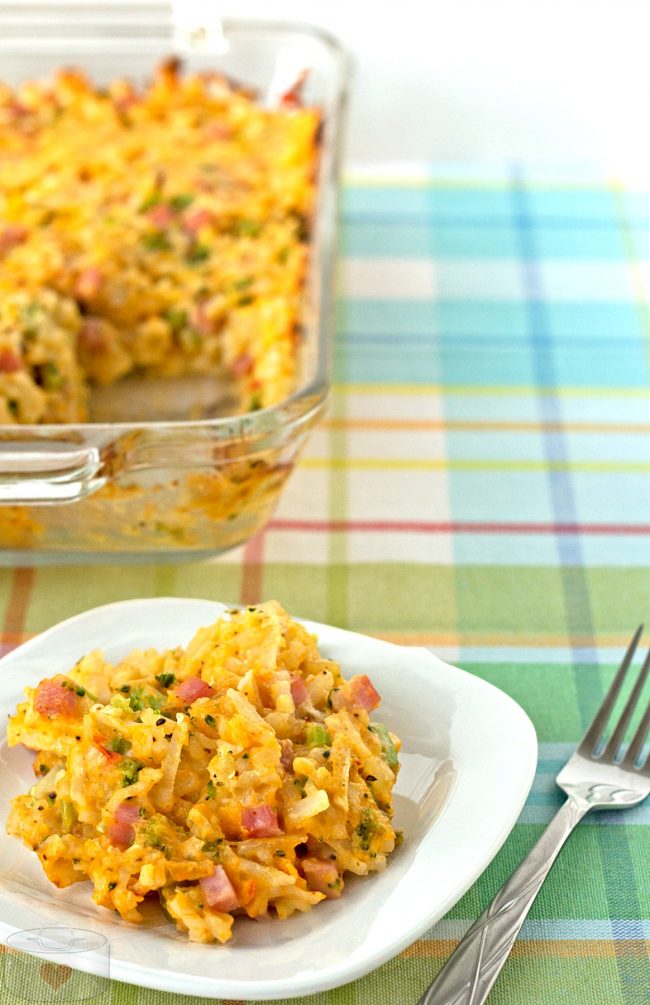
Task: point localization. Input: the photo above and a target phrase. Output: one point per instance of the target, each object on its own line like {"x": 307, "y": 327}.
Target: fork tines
{"x": 595, "y": 733}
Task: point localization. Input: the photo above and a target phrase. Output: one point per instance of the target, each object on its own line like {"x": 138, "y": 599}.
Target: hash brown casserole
{"x": 160, "y": 232}
{"x": 238, "y": 775}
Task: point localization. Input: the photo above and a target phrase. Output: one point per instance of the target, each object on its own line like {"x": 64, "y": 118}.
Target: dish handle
{"x": 29, "y": 474}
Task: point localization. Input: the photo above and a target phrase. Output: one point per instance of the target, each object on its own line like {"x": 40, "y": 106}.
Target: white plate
{"x": 468, "y": 759}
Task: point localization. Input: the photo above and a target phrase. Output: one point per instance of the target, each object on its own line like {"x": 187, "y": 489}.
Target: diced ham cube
{"x": 218, "y": 131}
{"x": 322, "y": 876}
{"x": 192, "y": 689}
{"x": 358, "y": 692}
{"x": 218, "y": 891}
{"x": 53, "y": 699}
{"x": 17, "y": 109}
{"x": 9, "y": 361}
{"x": 196, "y": 219}
{"x": 260, "y": 821}
{"x": 120, "y": 831}
{"x": 161, "y": 216}
{"x": 11, "y": 236}
{"x": 299, "y": 691}
{"x": 242, "y": 365}
{"x": 89, "y": 282}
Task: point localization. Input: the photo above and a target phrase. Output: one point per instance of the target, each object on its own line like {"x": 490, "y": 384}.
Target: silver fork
{"x": 597, "y": 776}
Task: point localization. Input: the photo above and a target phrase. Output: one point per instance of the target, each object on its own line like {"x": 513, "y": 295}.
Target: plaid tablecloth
{"x": 482, "y": 486}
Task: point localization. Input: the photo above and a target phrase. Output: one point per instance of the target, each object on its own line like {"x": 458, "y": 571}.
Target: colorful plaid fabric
{"x": 482, "y": 486}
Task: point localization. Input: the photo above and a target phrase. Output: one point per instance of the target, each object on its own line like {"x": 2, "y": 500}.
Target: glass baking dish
{"x": 177, "y": 476}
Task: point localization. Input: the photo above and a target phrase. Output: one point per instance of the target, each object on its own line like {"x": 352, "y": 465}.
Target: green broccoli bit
{"x": 166, "y": 679}
{"x": 176, "y": 317}
{"x": 50, "y": 376}
{"x": 317, "y": 736}
{"x": 247, "y": 228}
{"x": 152, "y": 200}
{"x": 139, "y": 699}
{"x": 211, "y": 790}
{"x": 151, "y": 837}
{"x": 156, "y": 240}
{"x": 213, "y": 848}
{"x": 180, "y": 202}
{"x": 130, "y": 769}
{"x": 245, "y": 282}
{"x": 388, "y": 749}
{"x": 196, "y": 254}
{"x": 365, "y": 829}
{"x": 118, "y": 744}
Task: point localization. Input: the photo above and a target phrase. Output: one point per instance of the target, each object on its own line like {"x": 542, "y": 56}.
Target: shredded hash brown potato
{"x": 241, "y": 774}
{"x": 161, "y": 231}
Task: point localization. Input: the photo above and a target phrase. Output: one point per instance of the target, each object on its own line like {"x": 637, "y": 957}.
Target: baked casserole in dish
{"x": 166, "y": 237}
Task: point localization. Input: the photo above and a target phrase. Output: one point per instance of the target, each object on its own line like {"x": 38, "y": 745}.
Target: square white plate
{"x": 468, "y": 759}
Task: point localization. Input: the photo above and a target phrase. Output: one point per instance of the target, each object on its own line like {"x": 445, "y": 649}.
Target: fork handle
{"x": 468, "y": 975}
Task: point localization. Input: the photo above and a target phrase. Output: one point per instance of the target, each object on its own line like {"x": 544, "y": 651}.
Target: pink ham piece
{"x": 322, "y": 876}
{"x": 120, "y": 831}
{"x": 193, "y": 688}
{"x": 18, "y": 110}
{"x": 88, "y": 283}
{"x": 260, "y": 822}
{"x": 299, "y": 691}
{"x": 53, "y": 699}
{"x": 161, "y": 216}
{"x": 197, "y": 218}
{"x": 218, "y": 131}
{"x": 358, "y": 692}
{"x": 218, "y": 891}
{"x": 9, "y": 361}
{"x": 11, "y": 236}
{"x": 242, "y": 365}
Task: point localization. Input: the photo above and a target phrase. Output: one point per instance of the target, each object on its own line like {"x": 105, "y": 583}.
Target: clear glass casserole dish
{"x": 178, "y": 476}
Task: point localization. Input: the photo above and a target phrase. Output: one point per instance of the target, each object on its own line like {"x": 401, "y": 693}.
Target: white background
{"x": 489, "y": 79}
